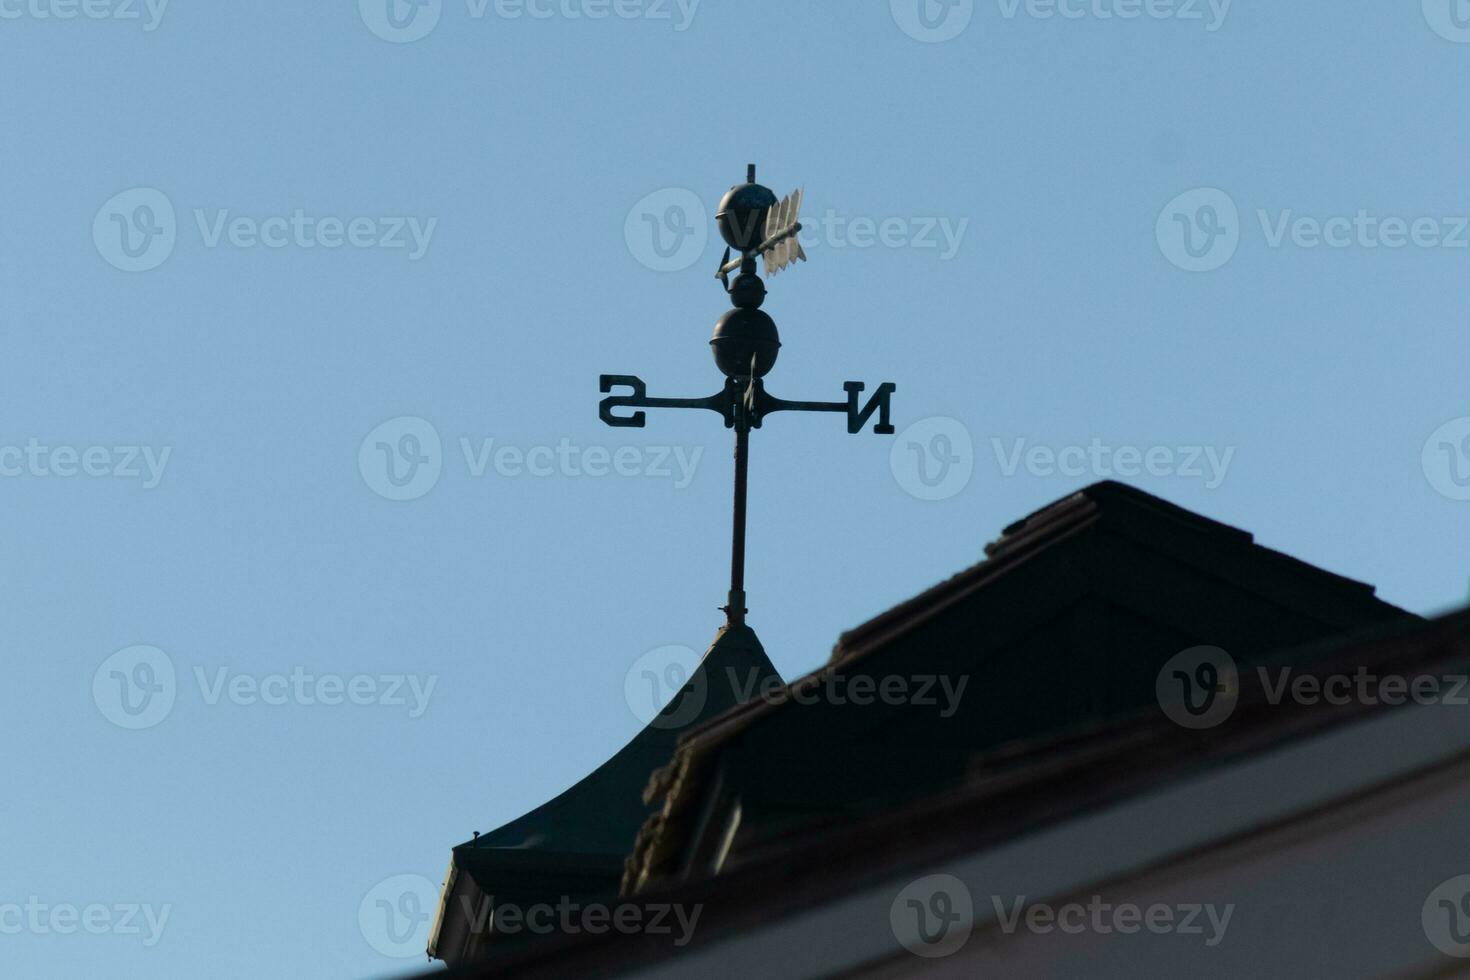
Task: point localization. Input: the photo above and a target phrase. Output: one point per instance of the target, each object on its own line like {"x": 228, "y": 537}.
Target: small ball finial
{"x": 748, "y": 291}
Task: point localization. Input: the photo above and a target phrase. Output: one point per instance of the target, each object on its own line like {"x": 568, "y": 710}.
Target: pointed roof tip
{"x": 734, "y": 636}
{"x": 736, "y": 645}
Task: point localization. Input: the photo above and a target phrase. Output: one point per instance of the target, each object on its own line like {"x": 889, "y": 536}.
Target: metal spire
{"x": 745, "y": 344}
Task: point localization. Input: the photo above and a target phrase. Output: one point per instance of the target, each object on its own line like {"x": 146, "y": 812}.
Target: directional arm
{"x": 856, "y": 417}
{"x": 745, "y": 404}
{"x": 721, "y": 402}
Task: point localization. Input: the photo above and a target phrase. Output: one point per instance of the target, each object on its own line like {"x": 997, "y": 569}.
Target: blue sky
{"x": 246, "y": 251}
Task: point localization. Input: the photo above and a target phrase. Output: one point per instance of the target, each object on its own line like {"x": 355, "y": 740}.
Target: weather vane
{"x": 745, "y": 345}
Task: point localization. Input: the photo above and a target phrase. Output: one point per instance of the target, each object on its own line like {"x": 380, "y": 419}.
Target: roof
{"x": 578, "y": 840}
{"x": 1018, "y": 791}
{"x": 1189, "y": 574}
{"x": 1160, "y": 525}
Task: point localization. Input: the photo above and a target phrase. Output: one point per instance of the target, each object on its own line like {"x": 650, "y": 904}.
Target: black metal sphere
{"x": 747, "y": 291}
{"x": 742, "y": 215}
{"x": 742, "y": 335}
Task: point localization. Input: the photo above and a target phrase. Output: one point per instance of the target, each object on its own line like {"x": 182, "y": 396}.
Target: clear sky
{"x": 251, "y": 254}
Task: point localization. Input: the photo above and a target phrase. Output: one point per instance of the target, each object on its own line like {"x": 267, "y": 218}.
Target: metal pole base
{"x": 735, "y": 611}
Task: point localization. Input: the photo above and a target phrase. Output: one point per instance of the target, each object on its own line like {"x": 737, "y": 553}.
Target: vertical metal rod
{"x": 735, "y": 611}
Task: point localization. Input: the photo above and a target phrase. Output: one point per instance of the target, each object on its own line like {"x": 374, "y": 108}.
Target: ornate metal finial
{"x": 745, "y": 344}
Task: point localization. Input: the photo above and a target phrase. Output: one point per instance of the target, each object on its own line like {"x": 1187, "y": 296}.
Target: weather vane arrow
{"x": 754, "y": 223}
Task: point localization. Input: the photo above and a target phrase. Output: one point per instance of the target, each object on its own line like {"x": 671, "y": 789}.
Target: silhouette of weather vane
{"x": 745, "y": 345}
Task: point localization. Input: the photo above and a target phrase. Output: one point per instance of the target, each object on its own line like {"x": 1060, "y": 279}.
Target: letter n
{"x": 857, "y": 418}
